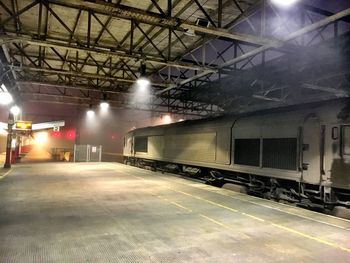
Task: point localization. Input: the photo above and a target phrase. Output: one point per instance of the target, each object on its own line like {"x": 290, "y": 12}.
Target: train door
{"x": 311, "y": 150}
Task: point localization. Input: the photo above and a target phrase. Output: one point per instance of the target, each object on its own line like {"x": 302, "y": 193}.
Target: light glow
{"x": 143, "y": 83}
{"x": 284, "y": 3}
{"x": 90, "y": 113}
{"x": 15, "y": 110}
{"x": 5, "y": 98}
{"x": 41, "y": 138}
{"x": 104, "y": 105}
{"x": 167, "y": 119}
{"x": 3, "y": 132}
{"x": 3, "y": 87}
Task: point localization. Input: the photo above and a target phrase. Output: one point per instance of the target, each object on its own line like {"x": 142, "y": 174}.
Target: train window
{"x": 280, "y": 153}
{"x": 335, "y": 132}
{"x": 247, "y": 152}
{"x": 141, "y": 144}
{"x": 346, "y": 140}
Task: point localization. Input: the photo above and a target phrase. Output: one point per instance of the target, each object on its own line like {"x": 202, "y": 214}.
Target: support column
{"x": 10, "y": 123}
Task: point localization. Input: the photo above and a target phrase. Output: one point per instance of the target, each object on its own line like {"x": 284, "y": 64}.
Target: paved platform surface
{"x": 115, "y": 213}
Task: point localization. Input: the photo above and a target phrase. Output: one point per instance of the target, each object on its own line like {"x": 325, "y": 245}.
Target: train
{"x": 299, "y": 154}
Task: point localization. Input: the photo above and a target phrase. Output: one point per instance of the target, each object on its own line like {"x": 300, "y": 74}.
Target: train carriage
{"x": 300, "y": 154}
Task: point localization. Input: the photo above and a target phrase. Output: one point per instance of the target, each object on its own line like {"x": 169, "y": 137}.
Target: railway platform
{"x": 108, "y": 212}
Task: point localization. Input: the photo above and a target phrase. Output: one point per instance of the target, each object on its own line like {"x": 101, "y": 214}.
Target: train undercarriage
{"x": 315, "y": 197}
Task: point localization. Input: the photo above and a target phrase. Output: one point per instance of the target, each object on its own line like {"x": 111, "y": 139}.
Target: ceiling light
{"x": 3, "y": 87}
{"x": 284, "y": 3}
{"x": 15, "y": 110}
{"x": 90, "y": 113}
{"x": 167, "y": 119}
{"x": 104, "y": 105}
{"x": 143, "y": 83}
{"x": 5, "y": 98}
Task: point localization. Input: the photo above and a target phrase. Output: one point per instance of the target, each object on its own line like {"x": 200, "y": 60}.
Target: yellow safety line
{"x": 262, "y": 220}
{"x": 203, "y": 199}
{"x": 181, "y": 206}
{"x": 223, "y": 225}
{"x": 254, "y": 217}
{"x": 7, "y": 173}
{"x": 204, "y": 216}
{"x": 311, "y": 237}
{"x": 270, "y": 207}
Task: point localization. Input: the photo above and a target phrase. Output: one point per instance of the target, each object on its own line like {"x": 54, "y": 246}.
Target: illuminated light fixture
{"x": 90, "y": 113}
{"x": 41, "y": 138}
{"x": 167, "y": 119}
{"x": 143, "y": 83}
{"x": 15, "y": 110}
{"x": 104, "y": 105}
{"x": 5, "y": 96}
{"x": 181, "y": 120}
{"x": 284, "y": 3}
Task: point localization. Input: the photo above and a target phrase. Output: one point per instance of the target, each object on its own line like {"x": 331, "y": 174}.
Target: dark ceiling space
{"x": 203, "y": 57}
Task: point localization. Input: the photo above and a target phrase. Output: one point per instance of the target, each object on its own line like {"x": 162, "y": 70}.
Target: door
{"x": 311, "y": 150}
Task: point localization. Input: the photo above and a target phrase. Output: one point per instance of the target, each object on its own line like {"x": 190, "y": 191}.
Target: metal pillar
{"x": 10, "y": 123}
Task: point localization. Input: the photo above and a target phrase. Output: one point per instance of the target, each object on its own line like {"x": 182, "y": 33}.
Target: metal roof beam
{"x": 80, "y": 74}
{"x": 100, "y": 51}
{"x": 307, "y": 29}
{"x": 131, "y": 13}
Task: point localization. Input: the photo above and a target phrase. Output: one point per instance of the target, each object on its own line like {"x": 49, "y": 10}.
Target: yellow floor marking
{"x": 204, "y": 216}
{"x": 274, "y": 208}
{"x": 203, "y": 199}
{"x": 257, "y": 218}
{"x": 7, "y": 173}
{"x": 254, "y": 217}
{"x": 311, "y": 237}
{"x": 181, "y": 206}
{"x": 223, "y": 225}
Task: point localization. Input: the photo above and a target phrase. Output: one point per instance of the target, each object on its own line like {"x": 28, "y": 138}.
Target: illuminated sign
{"x": 23, "y": 125}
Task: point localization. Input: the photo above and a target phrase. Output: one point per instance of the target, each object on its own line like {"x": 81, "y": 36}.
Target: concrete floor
{"x": 114, "y": 213}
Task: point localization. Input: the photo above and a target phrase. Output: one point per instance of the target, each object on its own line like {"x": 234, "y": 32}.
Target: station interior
{"x": 174, "y": 131}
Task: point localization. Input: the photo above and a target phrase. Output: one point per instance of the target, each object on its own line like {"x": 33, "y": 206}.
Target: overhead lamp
{"x": 104, "y": 105}
{"x": 167, "y": 119}
{"x": 143, "y": 82}
{"x": 90, "y": 113}
{"x": 15, "y": 110}
{"x": 284, "y": 3}
{"x": 5, "y": 96}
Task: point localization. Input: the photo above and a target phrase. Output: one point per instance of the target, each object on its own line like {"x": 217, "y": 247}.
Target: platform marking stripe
{"x": 254, "y": 217}
{"x": 175, "y": 203}
{"x": 7, "y": 173}
{"x": 181, "y": 206}
{"x": 203, "y": 199}
{"x": 276, "y": 225}
{"x": 311, "y": 237}
{"x": 204, "y": 216}
{"x": 274, "y": 208}
{"x": 278, "y": 209}
{"x": 257, "y": 218}
{"x": 223, "y": 225}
